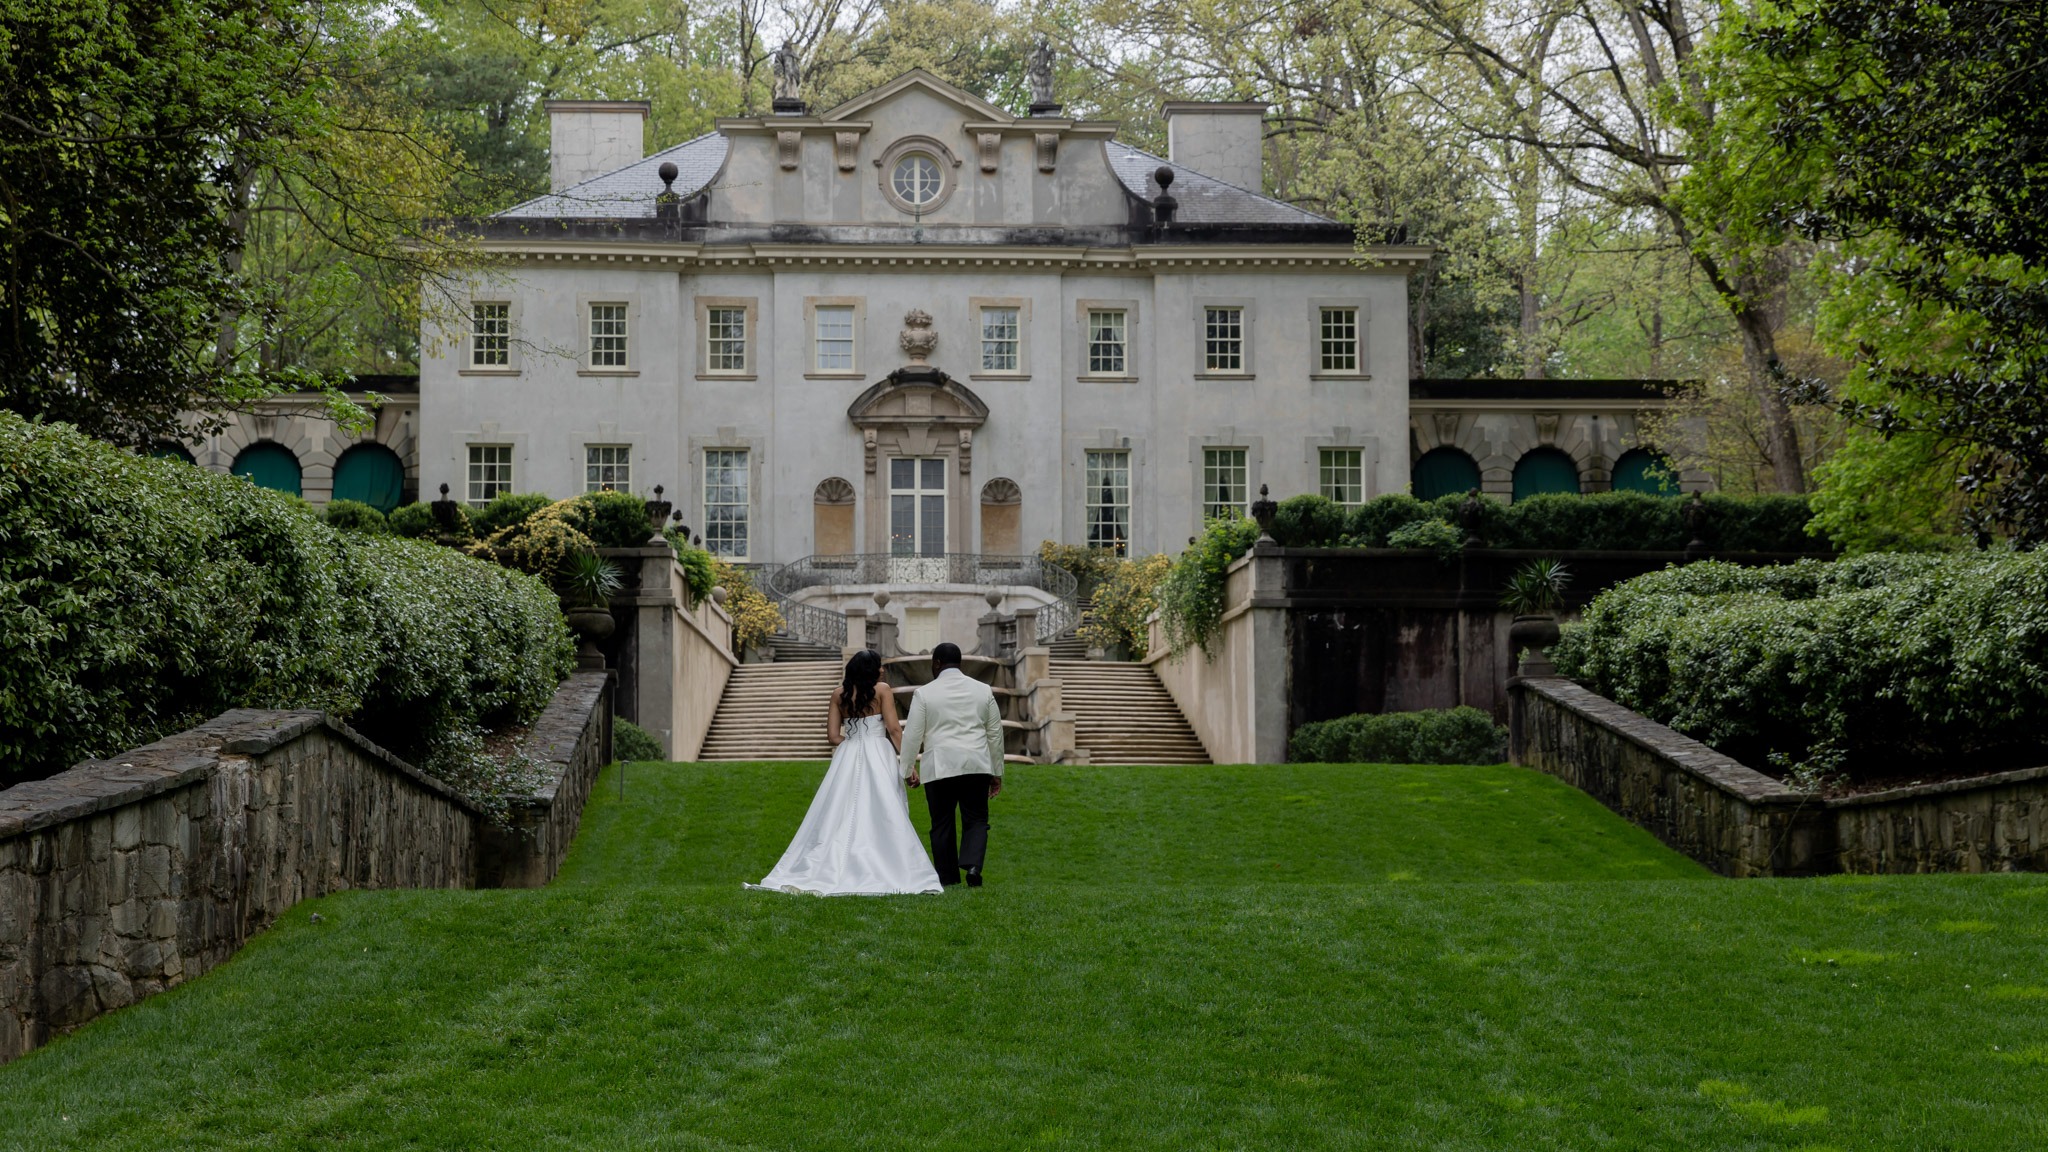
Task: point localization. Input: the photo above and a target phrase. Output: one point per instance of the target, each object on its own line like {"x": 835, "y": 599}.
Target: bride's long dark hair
{"x": 857, "y": 691}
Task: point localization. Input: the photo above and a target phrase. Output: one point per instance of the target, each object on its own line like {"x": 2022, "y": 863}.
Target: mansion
{"x": 917, "y": 323}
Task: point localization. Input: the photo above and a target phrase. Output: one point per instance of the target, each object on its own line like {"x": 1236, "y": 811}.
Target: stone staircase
{"x": 1124, "y": 715}
{"x": 774, "y": 712}
{"x": 1070, "y": 646}
{"x": 793, "y": 648}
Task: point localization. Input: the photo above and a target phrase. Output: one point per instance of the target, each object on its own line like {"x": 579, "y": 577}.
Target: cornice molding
{"x": 1323, "y": 257}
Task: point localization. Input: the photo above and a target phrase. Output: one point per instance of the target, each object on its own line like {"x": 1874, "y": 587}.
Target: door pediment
{"x": 918, "y": 397}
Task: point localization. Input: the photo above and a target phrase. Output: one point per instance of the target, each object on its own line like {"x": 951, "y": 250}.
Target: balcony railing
{"x": 822, "y": 625}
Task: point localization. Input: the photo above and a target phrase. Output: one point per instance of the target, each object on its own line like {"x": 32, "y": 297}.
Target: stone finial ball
{"x": 1164, "y": 175}
{"x": 994, "y": 598}
{"x": 881, "y": 599}
{"x": 667, "y": 172}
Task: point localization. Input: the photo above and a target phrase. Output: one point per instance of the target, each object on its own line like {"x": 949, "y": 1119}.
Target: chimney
{"x": 589, "y": 138}
{"x": 1222, "y": 140}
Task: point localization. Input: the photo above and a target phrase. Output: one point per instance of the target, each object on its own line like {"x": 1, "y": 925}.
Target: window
{"x": 1223, "y": 339}
{"x": 725, "y": 502}
{"x": 607, "y": 466}
{"x": 1339, "y": 340}
{"x": 917, "y": 506}
{"x": 490, "y": 335}
{"x": 1108, "y": 496}
{"x": 490, "y": 472}
{"x": 607, "y": 335}
{"x": 835, "y": 339}
{"x": 999, "y": 334}
{"x": 1106, "y": 343}
{"x": 1343, "y": 472}
{"x": 917, "y": 180}
{"x": 725, "y": 344}
{"x": 1223, "y": 483}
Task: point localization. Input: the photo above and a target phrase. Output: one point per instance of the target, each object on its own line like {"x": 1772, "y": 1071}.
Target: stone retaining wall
{"x": 1740, "y": 822}
{"x": 122, "y": 877}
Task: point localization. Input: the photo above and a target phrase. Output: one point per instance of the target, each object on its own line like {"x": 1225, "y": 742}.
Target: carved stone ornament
{"x": 867, "y": 444}
{"x": 846, "y": 144}
{"x": 991, "y": 146}
{"x": 1546, "y": 427}
{"x": 1446, "y": 427}
{"x": 966, "y": 451}
{"x": 918, "y": 339}
{"x": 788, "y": 73}
{"x": 1048, "y": 150}
{"x": 1038, "y": 70}
{"x": 833, "y": 491}
{"x": 787, "y": 142}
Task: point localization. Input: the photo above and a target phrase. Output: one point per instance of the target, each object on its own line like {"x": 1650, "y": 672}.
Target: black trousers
{"x": 969, "y": 796}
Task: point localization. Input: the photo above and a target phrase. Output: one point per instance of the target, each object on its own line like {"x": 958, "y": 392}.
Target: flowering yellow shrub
{"x": 1124, "y": 603}
{"x": 754, "y": 616}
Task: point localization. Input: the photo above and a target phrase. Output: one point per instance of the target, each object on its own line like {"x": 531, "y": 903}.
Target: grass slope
{"x": 1247, "y": 973}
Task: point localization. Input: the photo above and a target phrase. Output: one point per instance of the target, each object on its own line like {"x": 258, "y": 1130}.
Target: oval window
{"x": 917, "y": 180}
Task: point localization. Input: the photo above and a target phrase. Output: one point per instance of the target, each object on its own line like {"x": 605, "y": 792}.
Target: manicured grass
{"x": 1176, "y": 992}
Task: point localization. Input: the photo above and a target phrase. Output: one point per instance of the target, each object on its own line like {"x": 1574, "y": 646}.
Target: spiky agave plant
{"x": 1537, "y": 587}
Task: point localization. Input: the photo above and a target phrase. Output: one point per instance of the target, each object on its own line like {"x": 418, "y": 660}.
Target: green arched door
{"x": 1645, "y": 470}
{"x": 370, "y": 473}
{"x": 1441, "y": 472}
{"x": 269, "y": 466}
{"x": 1542, "y": 470}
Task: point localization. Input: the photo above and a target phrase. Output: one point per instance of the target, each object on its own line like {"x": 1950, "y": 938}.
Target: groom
{"x": 955, "y": 721}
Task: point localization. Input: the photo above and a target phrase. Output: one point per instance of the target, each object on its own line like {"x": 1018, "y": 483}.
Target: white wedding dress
{"x": 857, "y": 839}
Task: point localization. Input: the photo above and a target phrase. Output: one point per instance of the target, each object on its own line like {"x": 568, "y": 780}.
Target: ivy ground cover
{"x": 1301, "y": 957}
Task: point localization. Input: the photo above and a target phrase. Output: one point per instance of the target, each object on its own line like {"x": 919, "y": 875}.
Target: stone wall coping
{"x": 1940, "y": 788}
{"x": 552, "y": 739}
{"x": 1721, "y": 771}
{"x": 1675, "y": 557}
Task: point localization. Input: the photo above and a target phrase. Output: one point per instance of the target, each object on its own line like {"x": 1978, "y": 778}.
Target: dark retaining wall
{"x": 122, "y": 877}
{"x": 1740, "y": 822}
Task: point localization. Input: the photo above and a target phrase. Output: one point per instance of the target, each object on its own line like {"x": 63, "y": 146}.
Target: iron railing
{"x": 824, "y": 626}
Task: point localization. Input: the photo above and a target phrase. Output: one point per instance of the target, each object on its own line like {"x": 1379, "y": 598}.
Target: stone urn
{"x": 1534, "y": 634}
{"x": 591, "y": 625}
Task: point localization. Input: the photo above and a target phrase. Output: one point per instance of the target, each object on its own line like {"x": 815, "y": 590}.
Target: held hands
{"x": 995, "y": 788}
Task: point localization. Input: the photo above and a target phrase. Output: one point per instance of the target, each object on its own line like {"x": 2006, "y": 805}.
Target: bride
{"x": 857, "y": 839}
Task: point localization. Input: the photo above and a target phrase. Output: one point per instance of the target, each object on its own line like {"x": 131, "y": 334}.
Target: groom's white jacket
{"x": 955, "y": 721}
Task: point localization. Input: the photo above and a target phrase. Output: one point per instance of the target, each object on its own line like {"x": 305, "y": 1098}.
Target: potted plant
{"x": 1534, "y": 594}
{"x": 587, "y": 583}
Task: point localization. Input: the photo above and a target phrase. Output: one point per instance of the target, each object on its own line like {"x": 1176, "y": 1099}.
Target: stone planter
{"x": 590, "y": 625}
{"x": 1535, "y": 634}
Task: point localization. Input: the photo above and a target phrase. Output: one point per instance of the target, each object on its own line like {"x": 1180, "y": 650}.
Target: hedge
{"x": 1601, "y": 521}
{"x": 1872, "y": 665}
{"x": 140, "y": 596}
{"x": 1461, "y": 735}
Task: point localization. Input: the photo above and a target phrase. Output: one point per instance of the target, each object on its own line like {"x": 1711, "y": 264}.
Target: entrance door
{"x": 917, "y": 519}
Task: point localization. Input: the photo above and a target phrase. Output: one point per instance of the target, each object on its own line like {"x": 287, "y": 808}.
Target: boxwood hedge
{"x": 1875, "y": 665}
{"x": 139, "y": 596}
{"x": 1603, "y": 521}
{"x": 1460, "y": 735}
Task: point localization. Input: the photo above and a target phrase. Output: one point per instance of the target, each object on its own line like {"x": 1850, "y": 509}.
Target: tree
{"x": 1917, "y": 136}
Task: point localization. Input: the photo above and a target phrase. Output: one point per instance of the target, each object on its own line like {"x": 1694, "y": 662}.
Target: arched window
{"x": 1542, "y": 470}
{"x": 832, "y": 517}
{"x": 372, "y": 474}
{"x": 1442, "y": 471}
{"x": 1645, "y": 470}
{"x": 269, "y": 465}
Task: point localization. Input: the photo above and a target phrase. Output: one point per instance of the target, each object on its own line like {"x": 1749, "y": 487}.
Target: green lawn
{"x": 1292, "y": 958}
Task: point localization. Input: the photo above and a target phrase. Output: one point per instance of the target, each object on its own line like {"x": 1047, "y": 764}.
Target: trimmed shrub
{"x": 507, "y": 510}
{"x": 1372, "y": 522}
{"x": 1309, "y": 521}
{"x": 142, "y": 596}
{"x": 1880, "y": 663}
{"x": 355, "y": 516}
{"x": 541, "y": 543}
{"x": 1461, "y": 735}
{"x": 414, "y": 521}
{"x": 1434, "y": 535}
{"x": 616, "y": 520}
{"x": 1601, "y": 521}
{"x": 632, "y": 743}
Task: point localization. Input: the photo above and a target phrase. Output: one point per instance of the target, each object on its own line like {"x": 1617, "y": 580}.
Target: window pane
{"x": 1223, "y": 483}
{"x": 607, "y": 335}
{"x": 999, "y": 334}
{"x": 835, "y": 339}
{"x": 490, "y": 472}
{"x": 1339, "y": 340}
{"x": 1106, "y": 343}
{"x": 902, "y": 525}
{"x": 607, "y": 466}
{"x": 725, "y": 501}
{"x": 1223, "y": 339}
{"x": 490, "y": 335}
{"x": 902, "y": 473}
{"x": 725, "y": 339}
{"x": 1343, "y": 475}
{"x": 1108, "y": 500}
{"x": 934, "y": 478}
{"x": 934, "y": 526}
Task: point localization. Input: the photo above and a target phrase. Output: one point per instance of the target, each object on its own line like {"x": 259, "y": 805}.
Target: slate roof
{"x": 1203, "y": 199}
{"x": 625, "y": 193}
{"x": 628, "y": 193}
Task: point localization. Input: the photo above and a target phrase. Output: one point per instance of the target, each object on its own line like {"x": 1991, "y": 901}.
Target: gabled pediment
{"x": 918, "y": 395}
{"x": 970, "y": 105}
